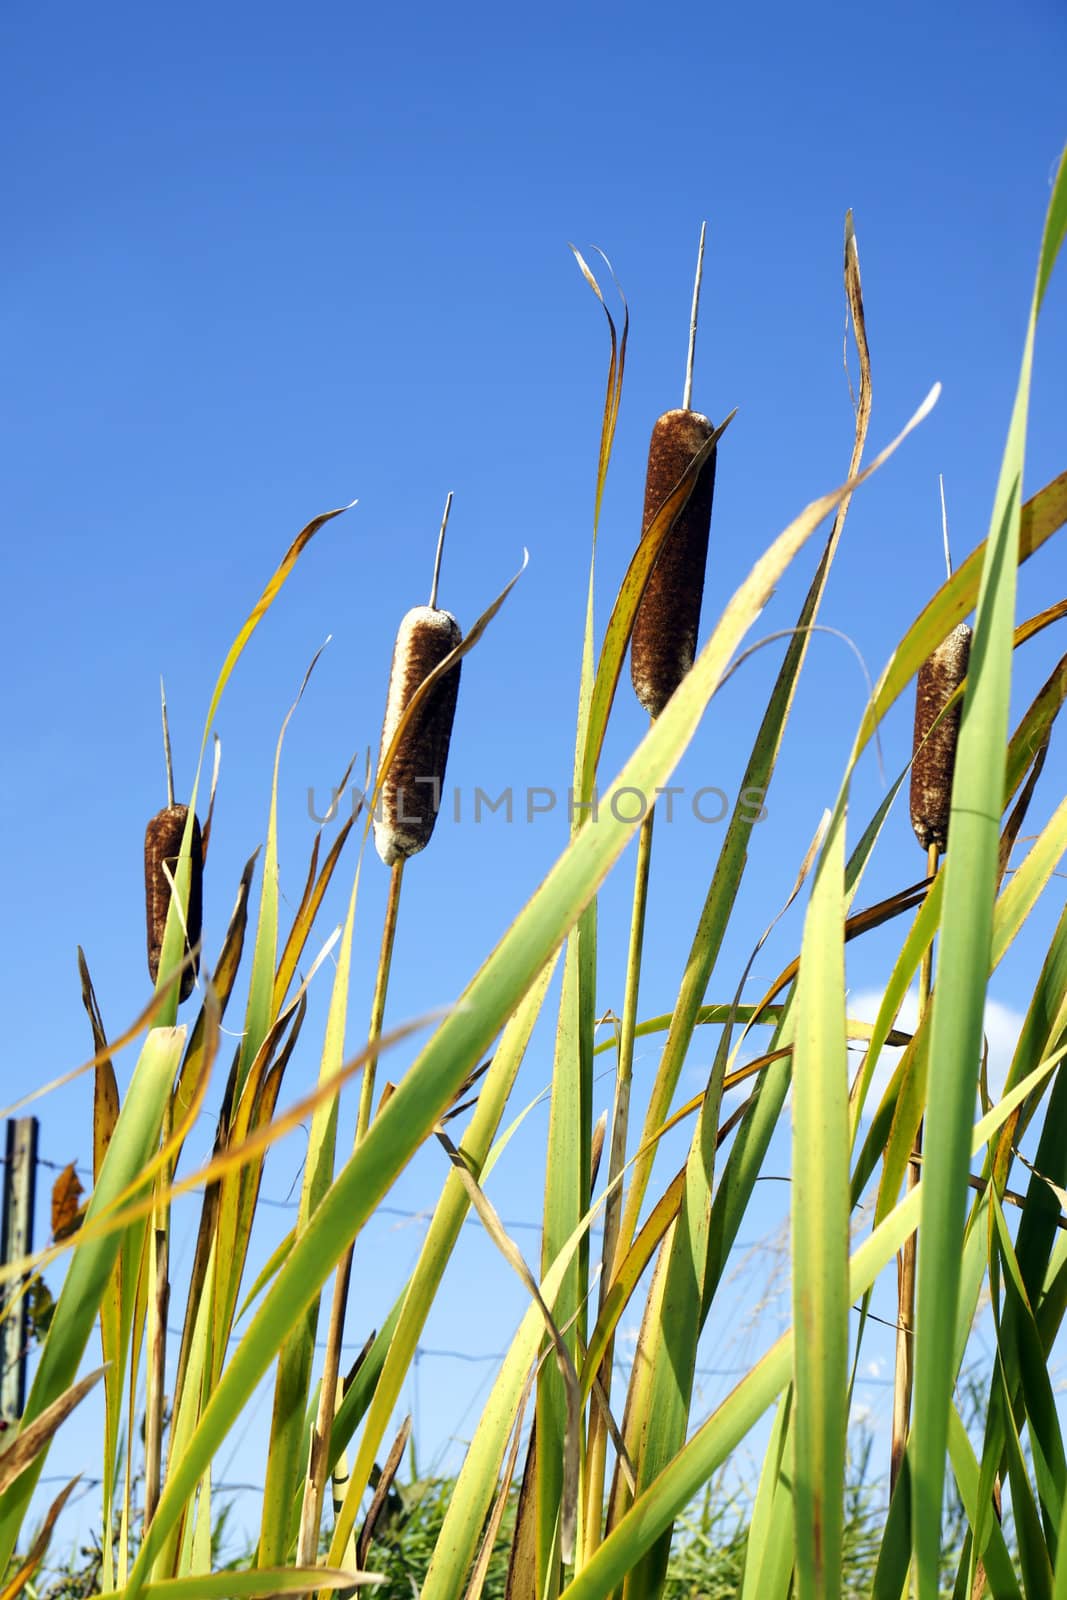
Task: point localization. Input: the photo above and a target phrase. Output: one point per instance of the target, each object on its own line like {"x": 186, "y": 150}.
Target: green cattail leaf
{"x": 234, "y": 1216}
{"x": 285, "y": 1460}
{"x": 473, "y": 1491}
{"x": 966, "y": 937}
{"x": 769, "y": 1548}
{"x": 1023, "y": 1362}
{"x": 259, "y": 1584}
{"x": 1041, "y": 516}
{"x": 134, "y": 1139}
{"x": 174, "y": 937}
{"x": 757, "y": 1391}
{"x": 1033, "y": 1550}
{"x": 438, "y": 1245}
{"x": 567, "y": 1163}
{"x": 566, "y": 1201}
{"x": 1000, "y": 1568}
{"x": 820, "y": 1229}
{"x": 310, "y": 903}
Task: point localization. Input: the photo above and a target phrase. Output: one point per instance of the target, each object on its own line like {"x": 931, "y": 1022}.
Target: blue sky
{"x": 260, "y": 261}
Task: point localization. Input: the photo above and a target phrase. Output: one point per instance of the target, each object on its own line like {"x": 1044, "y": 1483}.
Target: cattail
{"x": 162, "y": 843}
{"x": 410, "y": 795}
{"x": 663, "y": 646}
{"x": 933, "y": 764}
{"x": 664, "y": 642}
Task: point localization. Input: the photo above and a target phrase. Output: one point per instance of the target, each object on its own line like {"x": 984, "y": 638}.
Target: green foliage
{"x": 646, "y": 1503}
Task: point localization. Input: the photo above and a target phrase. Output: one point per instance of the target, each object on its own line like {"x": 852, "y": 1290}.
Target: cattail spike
{"x": 410, "y": 794}
{"x": 440, "y": 553}
{"x": 687, "y": 393}
{"x": 162, "y": 844}
{"x": 663, "y": 646}
{"x": 934, "y": 753}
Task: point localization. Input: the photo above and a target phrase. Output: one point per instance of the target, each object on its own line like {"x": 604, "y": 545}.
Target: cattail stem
{"x": 926, "y": 969}
{"x": 596, "y": 1450}
{"x": 440, "y": 553}
{"x": 627, "y": 1034}
{"x": 155, "y": 1373}
{"x": 687, "y": 392}
{"x": 944, "y": 525}
{"x": 315, "y": 1484}
{"x": 381, "y": 987}
{"x": 908, "y": 1258}
{"x": 167, "y": 757}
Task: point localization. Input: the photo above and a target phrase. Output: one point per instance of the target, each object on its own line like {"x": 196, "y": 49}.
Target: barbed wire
{"x": 514, "y": 1224}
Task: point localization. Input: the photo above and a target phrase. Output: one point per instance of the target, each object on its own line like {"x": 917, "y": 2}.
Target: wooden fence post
{"x": 16, "y": 1241}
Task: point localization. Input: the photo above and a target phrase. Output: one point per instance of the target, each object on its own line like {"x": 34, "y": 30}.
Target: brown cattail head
{"x": 410, "y": 795}
{"x": 162, "y": 843}
{"x": 933, "y": 765}
{"x": 665, "y": 628}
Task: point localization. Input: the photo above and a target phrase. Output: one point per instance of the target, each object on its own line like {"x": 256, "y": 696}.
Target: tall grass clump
{"x": 586, "y": 1477}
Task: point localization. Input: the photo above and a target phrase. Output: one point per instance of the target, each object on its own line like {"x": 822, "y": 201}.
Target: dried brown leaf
{"x": 32, "y": 1439}
{"x": 66, "y": 1196}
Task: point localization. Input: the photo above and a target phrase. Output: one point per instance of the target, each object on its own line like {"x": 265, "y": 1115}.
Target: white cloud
{"x": 1002, "y": 1028}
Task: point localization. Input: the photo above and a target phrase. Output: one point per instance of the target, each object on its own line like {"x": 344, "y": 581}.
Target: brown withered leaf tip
{"x": 162, "y": 843}
{"x": 933, "y": 765}
{"x": 663, "y": 646}
{"x": 66, "y": 1197}
{"x": 411, "y": 793}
